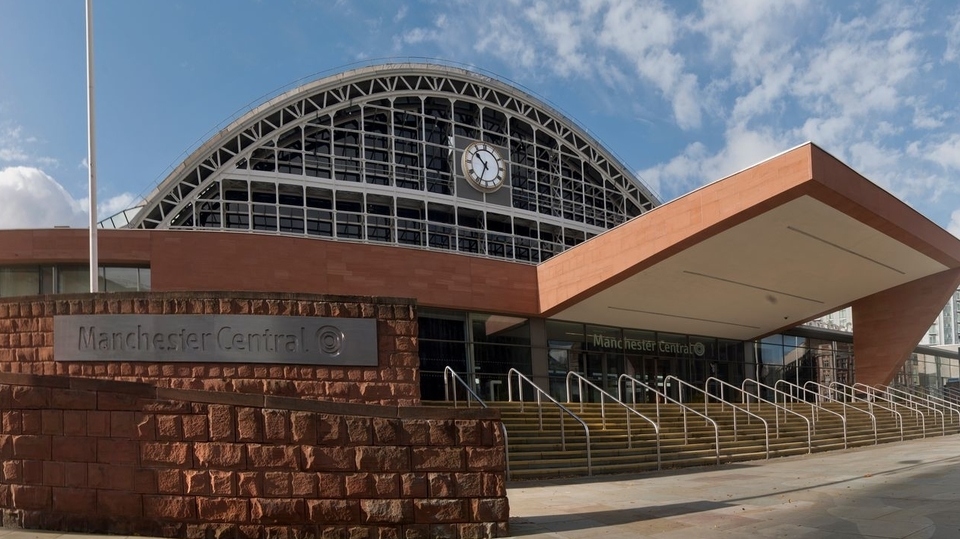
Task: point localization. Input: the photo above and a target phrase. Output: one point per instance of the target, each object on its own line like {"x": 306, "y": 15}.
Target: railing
{"x": 943, "y": 403}
{"x": 874, "y": 393}
{"x": 835, "y": 389}
{"x": 816, "y": 407}
{"x": 448, "y": 389}
{"x": 563, "y": 410}
{"x": 666, "y": 398}
{"x": 952, "y": 394}
{"x": 766, "y": 426}
{"x": 819, "y": 397}
{"x": 776, "y": 407}
{"x": 917, "y": 401}
{"x": 603, "y": 414}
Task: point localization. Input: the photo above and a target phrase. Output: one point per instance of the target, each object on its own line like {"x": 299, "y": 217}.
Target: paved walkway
{"x": 902, "y": 490}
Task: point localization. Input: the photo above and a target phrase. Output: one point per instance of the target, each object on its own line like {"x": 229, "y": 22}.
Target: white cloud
{"x": 945, "y": 153}
{"x": 954, "y": 226}
{"x": 696, "y": 166}
{"x": 645, "y": 34}
{"x": 563, "y": 33}
{"x": 111, "y": 206}
{"x": 11, "y": 144}
{"x": 32, "y": 199}
{"x": 952, "y": 51}
{"x": 511, "y": 41}
{"x": 13, "y": 148}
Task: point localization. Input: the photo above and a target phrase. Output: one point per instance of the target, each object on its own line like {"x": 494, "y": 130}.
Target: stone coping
{"x": 216, "y": 294}
{"x": 147, "y": 391}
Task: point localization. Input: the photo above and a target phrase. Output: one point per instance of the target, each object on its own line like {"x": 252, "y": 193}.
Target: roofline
{"x": 352, "y": 75}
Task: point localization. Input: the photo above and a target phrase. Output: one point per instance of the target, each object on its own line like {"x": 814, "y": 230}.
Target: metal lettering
{"x": 216, "y": 338}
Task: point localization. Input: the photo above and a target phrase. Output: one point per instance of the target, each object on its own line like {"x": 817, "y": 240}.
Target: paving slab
{"x": 900, "y": 490}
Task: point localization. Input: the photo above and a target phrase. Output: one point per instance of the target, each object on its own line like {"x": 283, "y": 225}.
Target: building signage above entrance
{"x": 216, "y": 338}
{"x": 648, "y": 345}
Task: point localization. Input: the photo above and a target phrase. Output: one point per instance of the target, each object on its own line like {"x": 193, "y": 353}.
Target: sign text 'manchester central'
{"x": 216, "y": 338}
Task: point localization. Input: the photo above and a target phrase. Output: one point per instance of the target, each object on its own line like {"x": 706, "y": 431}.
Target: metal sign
{"x": 216, "y": 338}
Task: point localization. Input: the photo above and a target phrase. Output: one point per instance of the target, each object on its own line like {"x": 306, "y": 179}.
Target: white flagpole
{"x": 91, "y": 157}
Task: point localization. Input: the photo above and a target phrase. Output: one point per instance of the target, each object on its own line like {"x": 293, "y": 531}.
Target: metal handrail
{"x": 872, "y": 392}
{"x": 944, "y": 403}
{"x": 923, "y": 401}
{"x": 563, "y": 410}
{"x": 665, "y": 397}
{"x": 604, "y": 394}
{"x": 819, "y": 397}
{"x": 744, "y": 394}
{"x": 952, "y": 393}
{"x": 766, "y": 426}
{"x": 870, "y": 403}
{"x": 815, "y": 407}
{"x": 448, "y": 374}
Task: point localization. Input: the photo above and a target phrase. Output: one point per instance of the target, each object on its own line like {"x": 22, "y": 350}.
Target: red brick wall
{"x": 117, "y": 457}
{"x": 26, "y": 345}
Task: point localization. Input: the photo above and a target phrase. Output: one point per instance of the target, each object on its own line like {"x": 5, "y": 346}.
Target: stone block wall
{"x": 26, "y": 344}
{"x": 127, "y": 458}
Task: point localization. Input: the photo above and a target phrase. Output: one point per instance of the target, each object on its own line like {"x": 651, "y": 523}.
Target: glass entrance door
{"x": 603, "y": 369}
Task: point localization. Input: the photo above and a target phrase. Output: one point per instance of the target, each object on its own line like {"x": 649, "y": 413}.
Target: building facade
{"x": 523, "y": 241}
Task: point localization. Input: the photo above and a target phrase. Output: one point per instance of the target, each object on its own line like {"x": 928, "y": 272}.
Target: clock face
{"x": 483, "y": 167}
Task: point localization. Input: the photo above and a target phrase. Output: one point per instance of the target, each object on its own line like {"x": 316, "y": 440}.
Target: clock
{"x": 483, "y": 167}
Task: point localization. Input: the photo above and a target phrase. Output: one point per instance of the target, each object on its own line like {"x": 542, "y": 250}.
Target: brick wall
{"x": 127, "y": 458}
{"x": 26, "y": 345}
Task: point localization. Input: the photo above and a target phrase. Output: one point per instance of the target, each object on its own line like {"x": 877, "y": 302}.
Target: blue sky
{"x": 683, "y": 92}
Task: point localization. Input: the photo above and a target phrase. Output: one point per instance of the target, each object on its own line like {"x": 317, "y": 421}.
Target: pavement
{"x": 900, "y": 490}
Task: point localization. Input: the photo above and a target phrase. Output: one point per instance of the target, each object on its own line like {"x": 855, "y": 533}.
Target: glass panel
{"x": 144, "y": 278}
{"x": 501, "y": 329}
{"x": 119, "y": 279}
{"x": 73, "y": 279}
{"x": 20, "y": 281}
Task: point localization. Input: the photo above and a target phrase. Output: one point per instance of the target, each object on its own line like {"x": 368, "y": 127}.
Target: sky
{"x": 683, "y": 92}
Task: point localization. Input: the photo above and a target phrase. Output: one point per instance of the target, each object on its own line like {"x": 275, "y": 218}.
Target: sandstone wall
{"x": 26, "y": 345}
{"x": 127, "y": 458}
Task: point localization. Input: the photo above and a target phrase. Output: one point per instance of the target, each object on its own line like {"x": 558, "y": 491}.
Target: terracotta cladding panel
{"x": 884, "y": 337}
{"x": 250, "y": 262}
{"x": 627, "y": 249}
{"x": 71, "y": 246}
{"x": 867, "y": 202}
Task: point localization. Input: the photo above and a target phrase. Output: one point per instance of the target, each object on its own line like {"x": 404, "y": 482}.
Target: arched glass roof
{"x": 386, "y": 154}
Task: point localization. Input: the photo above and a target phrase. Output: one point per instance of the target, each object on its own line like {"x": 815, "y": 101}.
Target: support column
{"x": 888, "y": 325}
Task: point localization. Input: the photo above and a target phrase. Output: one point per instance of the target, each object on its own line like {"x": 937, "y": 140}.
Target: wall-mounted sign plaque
{"x": 215, "y": 338}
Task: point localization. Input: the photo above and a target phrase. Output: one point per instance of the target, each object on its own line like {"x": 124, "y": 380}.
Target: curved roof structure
{"x": 377, "y": 155}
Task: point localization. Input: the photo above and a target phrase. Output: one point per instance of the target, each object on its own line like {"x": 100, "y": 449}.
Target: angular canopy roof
{"x": 775, "y": 245}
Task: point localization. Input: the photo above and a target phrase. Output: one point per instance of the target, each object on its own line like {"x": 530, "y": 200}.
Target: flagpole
{"x": 91, "y": 157}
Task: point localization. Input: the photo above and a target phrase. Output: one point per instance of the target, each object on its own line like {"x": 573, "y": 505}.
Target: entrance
{"x": 652, "y": 371}
{"x": 603, "y": 369}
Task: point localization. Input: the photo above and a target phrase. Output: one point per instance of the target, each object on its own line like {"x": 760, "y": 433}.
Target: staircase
{"x": 551, "y": 444}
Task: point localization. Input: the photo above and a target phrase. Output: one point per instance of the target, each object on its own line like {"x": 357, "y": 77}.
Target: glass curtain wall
{"x": 482, "y": 348}
{"x": 69, "y": 279}
{"x": 602, "y": 354}
{"x": 931, "y": 371}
